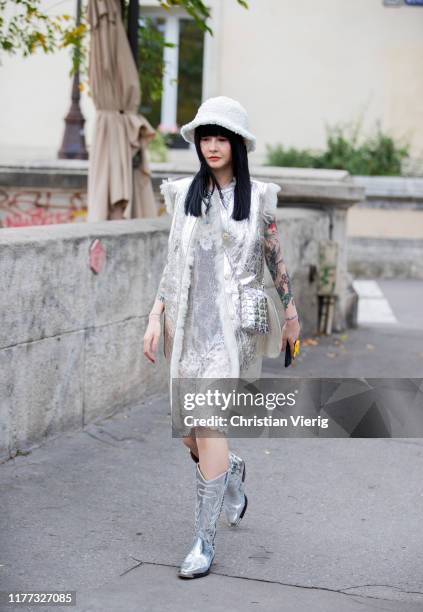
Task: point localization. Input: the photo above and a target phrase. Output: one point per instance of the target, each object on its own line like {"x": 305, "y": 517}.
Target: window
{"x": 190, "y": 70}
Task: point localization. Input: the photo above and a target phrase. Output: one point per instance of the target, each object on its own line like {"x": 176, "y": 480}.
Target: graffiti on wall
{"x": 38, "y": 206}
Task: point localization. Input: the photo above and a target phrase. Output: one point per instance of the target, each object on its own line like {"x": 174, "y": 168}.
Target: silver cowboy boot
{"x": 235, "y": 501}
{"x": 207, "y": 509}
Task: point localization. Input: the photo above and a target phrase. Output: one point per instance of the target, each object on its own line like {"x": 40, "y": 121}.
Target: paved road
{"x": 388, "y": 342}
{"x": 332, "y": 525}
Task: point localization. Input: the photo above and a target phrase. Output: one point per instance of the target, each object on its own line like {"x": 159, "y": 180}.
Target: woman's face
{"x": 217, "y": 151}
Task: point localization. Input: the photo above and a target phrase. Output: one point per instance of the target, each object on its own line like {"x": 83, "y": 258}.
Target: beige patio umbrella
{"x": 119, "y": 130}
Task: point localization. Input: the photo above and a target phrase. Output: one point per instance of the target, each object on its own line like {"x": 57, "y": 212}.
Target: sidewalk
{"x": 332, "y": 525}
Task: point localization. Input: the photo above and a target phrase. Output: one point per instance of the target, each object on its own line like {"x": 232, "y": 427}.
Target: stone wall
{"x": 71, "y": 340}
{"x": 385, "y": 229}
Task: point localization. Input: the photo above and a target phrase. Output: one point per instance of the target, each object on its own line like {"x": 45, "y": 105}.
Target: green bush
{"x": 293, "y": 158}
{"x": 157, "y": 148}
{"x": 378, "y": 154}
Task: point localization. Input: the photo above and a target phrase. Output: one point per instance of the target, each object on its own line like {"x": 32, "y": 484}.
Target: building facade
{"x": 296, "y": 67}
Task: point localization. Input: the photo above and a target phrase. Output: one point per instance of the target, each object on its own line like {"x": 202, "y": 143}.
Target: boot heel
{"x": 244, "y": 508}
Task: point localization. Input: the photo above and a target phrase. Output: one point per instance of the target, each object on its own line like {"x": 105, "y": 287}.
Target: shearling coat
{"x": 239, "y": 261}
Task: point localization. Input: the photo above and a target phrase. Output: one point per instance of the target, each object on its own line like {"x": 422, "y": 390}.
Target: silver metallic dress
{"x": 204, "y": 352}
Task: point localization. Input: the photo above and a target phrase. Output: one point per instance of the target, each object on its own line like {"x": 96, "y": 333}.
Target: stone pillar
{"x": 347, "y": 301}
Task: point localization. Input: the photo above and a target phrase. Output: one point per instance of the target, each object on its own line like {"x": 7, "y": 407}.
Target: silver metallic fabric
{"x": 211, "y": 260}
{"x": 235, "y": 501}
{"x": 208, "y": 506}
{"x": 254, "y": 316}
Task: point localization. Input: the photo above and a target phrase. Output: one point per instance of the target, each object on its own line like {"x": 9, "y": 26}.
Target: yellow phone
{"x": 296, "y": 348}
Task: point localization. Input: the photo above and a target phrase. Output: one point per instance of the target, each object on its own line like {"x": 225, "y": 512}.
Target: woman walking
{"x": 218, "y": 322}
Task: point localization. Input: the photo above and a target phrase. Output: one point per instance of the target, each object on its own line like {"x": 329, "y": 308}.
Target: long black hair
{"x": 200, "y": 184}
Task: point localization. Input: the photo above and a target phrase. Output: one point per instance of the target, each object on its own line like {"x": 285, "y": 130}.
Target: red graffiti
{"x": 31, "y": 207}
{"x": 36, "y": 217}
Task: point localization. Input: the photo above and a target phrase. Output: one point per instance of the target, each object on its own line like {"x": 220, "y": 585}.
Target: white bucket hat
{"x": 225, "y": 112}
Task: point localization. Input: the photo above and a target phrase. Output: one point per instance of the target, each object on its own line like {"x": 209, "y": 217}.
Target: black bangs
{"x": 212, "y": 129}
{"x": 200, "y": 184}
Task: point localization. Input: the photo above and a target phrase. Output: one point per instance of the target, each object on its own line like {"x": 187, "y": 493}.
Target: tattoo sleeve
{"x": 276, "y": 264}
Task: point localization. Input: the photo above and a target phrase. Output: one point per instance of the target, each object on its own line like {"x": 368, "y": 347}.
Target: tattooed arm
{"x": 277, "y": 267}
{"x": 280, "y": 276}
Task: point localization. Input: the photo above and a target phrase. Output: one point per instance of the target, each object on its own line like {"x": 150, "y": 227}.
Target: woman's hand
{"x": 151, "y": 338}
{"x": 290, "y": 333}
